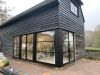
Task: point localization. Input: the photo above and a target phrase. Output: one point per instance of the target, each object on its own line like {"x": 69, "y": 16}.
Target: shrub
{"x": 1, "y": 64}
{"x": 6, "y": 62}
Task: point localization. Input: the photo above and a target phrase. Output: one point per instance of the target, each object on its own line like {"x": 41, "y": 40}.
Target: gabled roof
{"x": 33, "y": 10}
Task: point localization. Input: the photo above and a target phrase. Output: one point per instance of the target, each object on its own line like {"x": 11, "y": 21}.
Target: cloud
{"x": 21, "y": 5}
{"x": 91, "y": 9}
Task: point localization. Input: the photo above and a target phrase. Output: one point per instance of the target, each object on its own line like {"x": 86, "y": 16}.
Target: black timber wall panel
{"x": 47, "y": 19}
{"x": 72, "y": 23}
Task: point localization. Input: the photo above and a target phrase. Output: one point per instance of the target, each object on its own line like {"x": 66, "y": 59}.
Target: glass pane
{"x": 70, "y": 37}
{"x": 30, "y": 46}
{"x": 16, "y": 50}
{"x": 16, "y": 47}
{"x": 30, "y": 51}
{"x": 45, "y": 47}
{"x": 23, "y": 54}
{"x": 72, "y": 56}
{"x": 71, "y": 46}
{"x": 46, "y": 52}
{"x": 76, "y": 11}
{"x": 65, "y": 57}
{"x": 16, "y": 53}
{"x": 65, "y": 36}
{"x": 65, "y": 46}
{"x": 47, "y": 57}
{"x": 46, "y": 36}
{"x": 30, "y": 38}
{"x": 24, "y": 38}
{"x": 16, "y": 39}
{"x": 23, "y": 47}
{"x": 72, "y": 7}
{"x": 23, "y": 50}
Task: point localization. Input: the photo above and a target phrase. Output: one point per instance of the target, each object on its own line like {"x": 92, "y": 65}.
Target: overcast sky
{"x": 91, "y": 10}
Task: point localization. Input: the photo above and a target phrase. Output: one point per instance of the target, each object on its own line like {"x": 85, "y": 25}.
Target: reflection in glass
{"x": 65, "y": 47}
{"x": 68, "y": 45}
{"x": 74, "y": 8}
{"x": 16, "y": 46}
{"x": 70, "y": 37}
{"x": 72, "y": 53}
{"x": 23, "y": 47}
{"x": 45, "y": 47}
{"x": 30, "y": 46}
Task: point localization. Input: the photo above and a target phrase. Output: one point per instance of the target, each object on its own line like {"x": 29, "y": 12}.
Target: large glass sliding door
{"x": 45, "y": 47}
{"x": 68, "y": 47}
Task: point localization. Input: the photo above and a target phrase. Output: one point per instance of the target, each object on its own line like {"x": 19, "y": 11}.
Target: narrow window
{"x": 68, "y": 47}
{"x": 30, "y": 46}
{"x": 16, "y": 46}
{"x": 23, "y": 47}
{"x": 74, "y": 8}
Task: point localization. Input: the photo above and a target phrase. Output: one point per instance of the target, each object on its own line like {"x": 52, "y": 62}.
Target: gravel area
{"x": 80, "y": 67}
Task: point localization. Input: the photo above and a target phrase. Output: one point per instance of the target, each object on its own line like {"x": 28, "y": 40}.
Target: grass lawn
{"x": 92, "y": 48}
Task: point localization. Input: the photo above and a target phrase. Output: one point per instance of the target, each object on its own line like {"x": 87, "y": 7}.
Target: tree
{"x": 88, "y": 38}
{"x": 4, "y": 16}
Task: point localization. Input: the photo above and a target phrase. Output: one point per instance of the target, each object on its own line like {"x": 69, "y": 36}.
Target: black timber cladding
{"x": 73, "y": 23}
{"x": 49, "y": 14}
{"x": 45, "y": 20}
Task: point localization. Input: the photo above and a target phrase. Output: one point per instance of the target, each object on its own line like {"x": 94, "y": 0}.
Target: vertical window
{"x": 23, "y": 47}
{"x": 71, "y": 41}
{"x": 0, "y": 45}
{"x": 74, "y": 8}
{"x": 30, "y": 46}
{"x": 45, "y": 47}
{"x": 65, "y": 47}
{"x": 68, "y": 47}
{"x": 16, "y": 46}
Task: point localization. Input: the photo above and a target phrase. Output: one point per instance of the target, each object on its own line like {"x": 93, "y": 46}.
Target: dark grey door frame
{"x": 0, "y": 45}
{"x": 58, "y": 48}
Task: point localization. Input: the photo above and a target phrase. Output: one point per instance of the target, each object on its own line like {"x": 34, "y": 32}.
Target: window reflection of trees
{"x": 16, "y": 46}
{"x": 45, "y": 47}
{"x": 65, "y": 47}
{"x": 30, "y": 46}
{"x": 68, "y": 38}
{"x": 23, "y": 47}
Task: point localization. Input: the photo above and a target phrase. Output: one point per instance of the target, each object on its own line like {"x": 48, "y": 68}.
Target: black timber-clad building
{"x": 52, "y": 32}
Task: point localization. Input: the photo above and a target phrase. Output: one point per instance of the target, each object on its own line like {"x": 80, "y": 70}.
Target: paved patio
{"x": 81, "y": 67}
